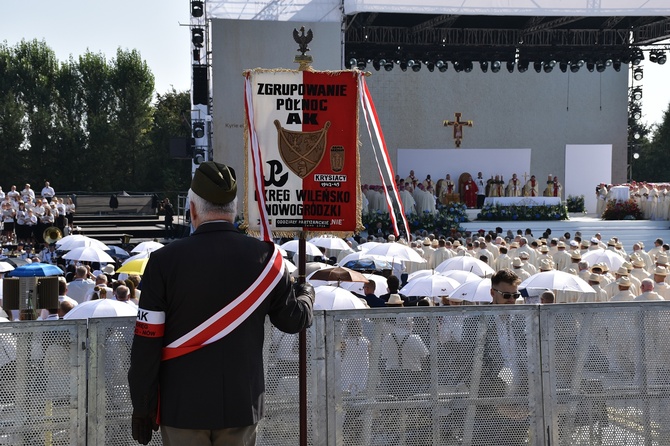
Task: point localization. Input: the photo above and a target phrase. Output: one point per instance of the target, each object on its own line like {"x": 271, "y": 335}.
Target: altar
{"x": 619, "y": 193}
{"x": 522, "y": 201}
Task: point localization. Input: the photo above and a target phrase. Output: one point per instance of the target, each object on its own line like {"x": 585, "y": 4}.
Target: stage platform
{"x": 628, "y": 231}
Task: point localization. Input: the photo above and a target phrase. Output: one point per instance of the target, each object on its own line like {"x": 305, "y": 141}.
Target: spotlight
{"x": 198, "y": 156}
{"x": 576, "y": 65}
{"x": 416, "y": 67}
{"x": 537, "y": 66}
{"x": 522, "y": 66}
{"x": 638, "y": 74}
{"x": 388, "y": 66}
{"x": 403, "y": 65}
{"x": 458, "y": 66}
{"x": 353, "y": 62}
{"x": 638, "y": 57}
{"x": 467, "y": 66}
{"x": 657, "y": 56}
{"x": 197, "y": 8}
{"x": 549, "y": 66}
{"x": 198, "y": 36}
{"x": 662, "y": 58}
{"x": 510, "y": 66}
{"x": 590, "y": 66}
{"x": 377, "y": 64}
{"x": 563, "y": 66}
{"x": 637, "y": 93}
{"x": 616, "y": 65}
{"x": 495, "y": 66}
{"x": 441, "y": 65}
{"x": 636, "y": 113}
{"x": 430, "y": 66}
{"x": 484, "y": 65}
{"x": 198, "y": 129}
{"x": 361, "y": 65}
{"x": 600, "y": 66}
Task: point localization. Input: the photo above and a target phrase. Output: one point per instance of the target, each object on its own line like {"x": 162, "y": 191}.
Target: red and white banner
{"x": 302, "y": 151}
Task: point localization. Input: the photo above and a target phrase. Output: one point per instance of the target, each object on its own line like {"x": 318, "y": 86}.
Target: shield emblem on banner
{"x": 301, "y": 151}
{"x": 337, "y": 158}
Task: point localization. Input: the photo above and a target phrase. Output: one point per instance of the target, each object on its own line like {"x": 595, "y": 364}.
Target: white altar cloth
{"x": 523, "y": 201}
{"x": 619, "y": 193}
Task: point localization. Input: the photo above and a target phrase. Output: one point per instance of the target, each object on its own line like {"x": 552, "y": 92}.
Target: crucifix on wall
{"x": 458, "y": 127}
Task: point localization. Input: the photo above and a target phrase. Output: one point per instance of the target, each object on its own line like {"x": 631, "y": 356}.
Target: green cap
{"x": 215, "y": 182}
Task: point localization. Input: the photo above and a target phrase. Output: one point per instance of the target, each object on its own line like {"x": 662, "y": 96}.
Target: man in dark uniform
{"x": 198, "y": 345}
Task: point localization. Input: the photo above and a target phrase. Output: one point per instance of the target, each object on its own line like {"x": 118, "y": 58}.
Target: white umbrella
{"x": 6, "y": 267}
{"x": 310, "y": 248}
{"x": 330, "y": 242}
{"x": 89, "y": 254}
{"x": 466, "y": 263}
{"x": 310, "y": 267}
{"x": 556, "y": 280}
{"x": 612, "y": 259}
{"x": 461, "y": 276}
{"x": 81, "y": 241}
{"x": 381, "y": 285}
{"x": 282, "y": 251}
{"x": 147, "y": 246}
{"x": 69, "y": 238}
{"x": 367, "y": 246}
{"x": 363, "y": 255}
{"x": 141, "y": 255}
{"x": 335, "y": 298}
{"x": 435, "y": 285}
{"x": 101, "y": 308}
{"x": 474, "y": 291}
{"x": 398, "y": 251}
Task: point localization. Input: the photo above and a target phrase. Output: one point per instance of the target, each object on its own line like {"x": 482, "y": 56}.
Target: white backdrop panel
{"x": 587, "y": 165}
{"x": 439, "y": 162}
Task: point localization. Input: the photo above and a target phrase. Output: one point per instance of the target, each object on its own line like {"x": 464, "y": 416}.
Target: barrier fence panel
{"x": 433, "y": 376}
{"x": 43, "y": 379}
{"x": 282, "y": 406}
{"x": 572, "y": 374}
{"x": 110, "y": 407}
{"x": 607, "y": 373}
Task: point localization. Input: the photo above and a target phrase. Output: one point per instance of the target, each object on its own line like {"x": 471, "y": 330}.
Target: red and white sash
{"x": 232, "y": 315}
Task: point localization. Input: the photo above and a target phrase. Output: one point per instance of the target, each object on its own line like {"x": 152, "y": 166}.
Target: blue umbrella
{"x": 36, "y": 270}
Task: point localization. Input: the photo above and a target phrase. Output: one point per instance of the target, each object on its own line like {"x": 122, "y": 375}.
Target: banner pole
{"x": 302, "y": 247}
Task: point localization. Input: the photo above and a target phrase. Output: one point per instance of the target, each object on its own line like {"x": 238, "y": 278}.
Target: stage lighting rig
{"x": 198, "y": 37}
{"x": 197, "y": 8}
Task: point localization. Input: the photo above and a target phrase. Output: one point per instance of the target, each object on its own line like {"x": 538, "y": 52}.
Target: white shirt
{"x": 48, "y": 192}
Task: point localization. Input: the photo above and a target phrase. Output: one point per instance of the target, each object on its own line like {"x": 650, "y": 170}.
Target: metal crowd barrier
{"x": 573, "y": 374}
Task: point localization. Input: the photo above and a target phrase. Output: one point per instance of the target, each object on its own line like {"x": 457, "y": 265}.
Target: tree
{"x": 11, "y": 117}
{"x": 654, "y": 163}
{"x": 36, "y": 67}
{"x": 170, "y": 119}
{"x": 133, "y": 84}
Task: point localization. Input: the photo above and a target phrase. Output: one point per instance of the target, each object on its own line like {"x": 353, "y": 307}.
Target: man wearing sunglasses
{"x": 504, "y": 285}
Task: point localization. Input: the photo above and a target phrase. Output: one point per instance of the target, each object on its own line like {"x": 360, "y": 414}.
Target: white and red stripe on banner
{"x": 312, "y": 181}
{"x": 380, "y": 150}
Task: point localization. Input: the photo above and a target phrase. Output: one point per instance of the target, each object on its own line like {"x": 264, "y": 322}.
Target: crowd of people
{"x": 631, "y": 275}
{"x": 653, "y": 199}
{"x": 26, "y": 215}
{"x": 419, "y": 196}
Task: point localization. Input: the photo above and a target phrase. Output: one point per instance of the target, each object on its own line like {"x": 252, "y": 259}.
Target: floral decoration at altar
{"x": 496, "y": 212}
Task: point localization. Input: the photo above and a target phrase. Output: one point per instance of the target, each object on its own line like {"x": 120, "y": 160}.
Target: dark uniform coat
{"x": 220, "y": 385}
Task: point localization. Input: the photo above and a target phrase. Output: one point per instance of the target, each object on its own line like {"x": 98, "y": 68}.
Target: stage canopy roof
{"x": 462, "y": 31}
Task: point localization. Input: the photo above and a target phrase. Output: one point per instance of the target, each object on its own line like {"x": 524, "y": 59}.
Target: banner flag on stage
{"x": 301, "y": 141}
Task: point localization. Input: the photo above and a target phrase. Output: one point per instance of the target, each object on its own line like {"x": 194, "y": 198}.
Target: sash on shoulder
{"x": 232, "y": 315}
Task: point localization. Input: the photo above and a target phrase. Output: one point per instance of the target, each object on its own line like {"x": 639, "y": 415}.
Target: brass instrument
{"x": 52, "y": 234}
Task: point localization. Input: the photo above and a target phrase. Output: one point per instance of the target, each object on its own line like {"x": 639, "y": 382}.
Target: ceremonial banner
{"x": 301, "y": 151}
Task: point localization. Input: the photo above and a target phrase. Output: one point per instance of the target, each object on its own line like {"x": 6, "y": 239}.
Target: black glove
{"x": 142, "y": 427}
{"x": 304, "y": 289}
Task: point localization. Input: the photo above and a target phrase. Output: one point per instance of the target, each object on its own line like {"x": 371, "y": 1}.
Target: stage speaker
{"x": 200, "y": 86}
{"x": 181, "y": 147}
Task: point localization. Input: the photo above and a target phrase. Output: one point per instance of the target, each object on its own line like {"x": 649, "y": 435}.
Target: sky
{"x": 156, "y": 29}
